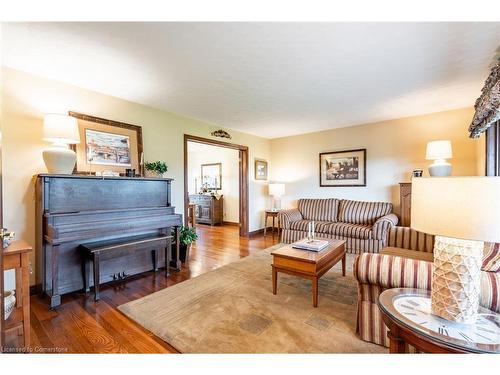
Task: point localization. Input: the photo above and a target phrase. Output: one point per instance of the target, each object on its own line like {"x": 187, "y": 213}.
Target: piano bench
{"x": 110, "y": 249}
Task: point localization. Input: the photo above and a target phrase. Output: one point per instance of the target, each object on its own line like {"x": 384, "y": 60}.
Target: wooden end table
{"x": 407, "y": 314}
{"x": 192, "y": 214}
{"x": 16, "y": 257}
{"x": 274, "y": 215}
{"x": 308, "y": 264}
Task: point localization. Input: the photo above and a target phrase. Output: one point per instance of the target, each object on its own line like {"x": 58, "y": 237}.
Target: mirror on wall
{"x": 211, "y": 176}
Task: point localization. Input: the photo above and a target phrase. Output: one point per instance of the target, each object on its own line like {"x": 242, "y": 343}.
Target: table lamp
{"x": 439, "y": 151}
{"x": 276, "y": 190}
{"x": 461, "y": 212}
{"x": 62, "y": 131}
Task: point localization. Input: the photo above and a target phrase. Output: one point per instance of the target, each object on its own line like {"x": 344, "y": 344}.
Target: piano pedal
{"x": 120, "y": 276}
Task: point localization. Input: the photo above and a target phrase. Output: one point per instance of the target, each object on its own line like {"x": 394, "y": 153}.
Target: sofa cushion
{"x": 405, "y": 253}
{"x": 319, "y": 226}
{"x": 351, "y": 230}
{"x": 491, "y": 257}
{"x": 365, "y": 213}
{"x": 319, "y": 209}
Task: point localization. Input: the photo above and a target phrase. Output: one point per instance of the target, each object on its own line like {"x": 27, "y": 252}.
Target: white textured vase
{"x": 59, "y": 159}
{"x": 456, "y": 280}
{"x": 9, "y": 303}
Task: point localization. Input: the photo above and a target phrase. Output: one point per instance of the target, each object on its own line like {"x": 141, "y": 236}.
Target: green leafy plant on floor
{"x": 188, "y": 235}
{"x": 159, "y": 167}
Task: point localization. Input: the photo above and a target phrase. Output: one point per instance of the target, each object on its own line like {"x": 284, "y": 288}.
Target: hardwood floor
{"x": 82, "y": 326}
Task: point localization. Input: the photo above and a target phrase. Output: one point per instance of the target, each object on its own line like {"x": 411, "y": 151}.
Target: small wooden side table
{"x": 407, "y": 314}
{"x": 192, "y": 214}
{"x": 16, "y": 256}
{"x": 274, "y": 215}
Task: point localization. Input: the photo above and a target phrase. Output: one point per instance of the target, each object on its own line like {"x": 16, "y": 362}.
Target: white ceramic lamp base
{"x": 440, "y": 168}
{"x": 276, "y": 204}
{"x": 456, "y": 281}
{"x": 59, "y": 159}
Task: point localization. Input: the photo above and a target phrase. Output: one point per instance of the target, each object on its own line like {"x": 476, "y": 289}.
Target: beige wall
{"x": 199, "y": 154}
{"x": 25, "y": 100}
{"x": 394, "y": 149}
{"x": 481, "y": 155}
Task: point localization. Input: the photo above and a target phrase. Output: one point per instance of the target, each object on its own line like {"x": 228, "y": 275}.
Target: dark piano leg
{"x": 176, "y": 263}
{"x": 55, "y": 298}
{"x": 85, "y": 274}
{"x": 97, "y": 279}
{"x": 168, "y": 257}
{"x": 154, "y": 254}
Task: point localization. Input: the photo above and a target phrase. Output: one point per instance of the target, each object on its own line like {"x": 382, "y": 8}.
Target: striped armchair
{"x": 407, "y": 263}
{"x": 364, "y": 225}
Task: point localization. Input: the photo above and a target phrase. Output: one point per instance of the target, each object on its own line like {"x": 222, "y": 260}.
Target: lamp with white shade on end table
{"x": 463, "y": 213}
{"x": 62, "y": 131}
{"x": 276, "y": 190}
{"x": 439, "y": 151}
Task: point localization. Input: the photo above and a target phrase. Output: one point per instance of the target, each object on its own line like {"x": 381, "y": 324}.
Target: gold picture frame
{"x": 261, "y": 169}
{"x": 98, "y": 150}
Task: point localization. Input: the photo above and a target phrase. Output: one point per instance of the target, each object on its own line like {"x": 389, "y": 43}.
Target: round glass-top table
{"x": 407, "y": 314}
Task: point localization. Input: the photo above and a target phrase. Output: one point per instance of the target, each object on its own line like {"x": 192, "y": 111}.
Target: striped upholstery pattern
{"x": 286, "y": 217}
{"x": 319, "y": 226}
{"x": 351, "y": 230}
{"x": 490, "y": 290}
{"x": 366, "y": 213}
{"x": 383, "y": 225}
{"x": 410, "y": 239}
{"x": 491, "y": 257}
{"x": 319, "y": 209}
{"x": 388, "y": 271}
{"x": 369, "y": 235}
{"x": 341, "y": 229}
{"x": 378, "y": 272}
{"x": 353, "y": 245}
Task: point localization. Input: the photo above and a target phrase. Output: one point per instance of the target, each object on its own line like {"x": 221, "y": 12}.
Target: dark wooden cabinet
{"x": 405, "y": 203}
{"x": 209, "y": 209}
{"x": 75, "y": 209}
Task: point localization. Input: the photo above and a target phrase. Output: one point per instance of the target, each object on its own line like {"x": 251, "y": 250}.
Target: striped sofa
{"x": 407, "y": 263}
{"x": 364, "y": 225}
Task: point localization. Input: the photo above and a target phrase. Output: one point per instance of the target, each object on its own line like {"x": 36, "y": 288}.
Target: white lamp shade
{"x": 60, "y": 129}
{"x": 438, "y": 150}
{"x": 460, "y": 207}
{"x": 276, "y": 190}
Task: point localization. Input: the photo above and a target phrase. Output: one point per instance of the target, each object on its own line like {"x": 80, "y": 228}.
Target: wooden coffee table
{"x": 308, "y": 264}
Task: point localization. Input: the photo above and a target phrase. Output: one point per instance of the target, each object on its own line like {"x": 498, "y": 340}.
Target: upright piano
{"x": 76, "y": 209}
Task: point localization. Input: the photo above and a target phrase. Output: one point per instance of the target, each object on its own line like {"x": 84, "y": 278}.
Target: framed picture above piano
{"x": 107, "y": 145}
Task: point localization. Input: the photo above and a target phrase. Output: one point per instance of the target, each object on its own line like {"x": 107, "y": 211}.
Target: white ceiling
{"x": 267, "y": 79}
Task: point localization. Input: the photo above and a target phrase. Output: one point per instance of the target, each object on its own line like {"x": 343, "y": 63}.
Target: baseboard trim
{"x": 261, "y": 231}
{"x": 231, "y": 223}
{"x": 256, "y": 232}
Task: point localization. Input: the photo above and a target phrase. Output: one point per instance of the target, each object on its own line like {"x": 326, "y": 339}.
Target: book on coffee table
{"x": 314, "y": 245}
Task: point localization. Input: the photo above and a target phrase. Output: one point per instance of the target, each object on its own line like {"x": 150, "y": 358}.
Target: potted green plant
{"x": 156, "y": 168}
{"x": 187, "y": 236}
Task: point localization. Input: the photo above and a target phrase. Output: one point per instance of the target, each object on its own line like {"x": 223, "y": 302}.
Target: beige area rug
{"x": 232, "y": 310}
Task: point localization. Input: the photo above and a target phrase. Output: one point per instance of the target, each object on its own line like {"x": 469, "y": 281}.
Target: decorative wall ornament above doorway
{"x": 221, "y": 134}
